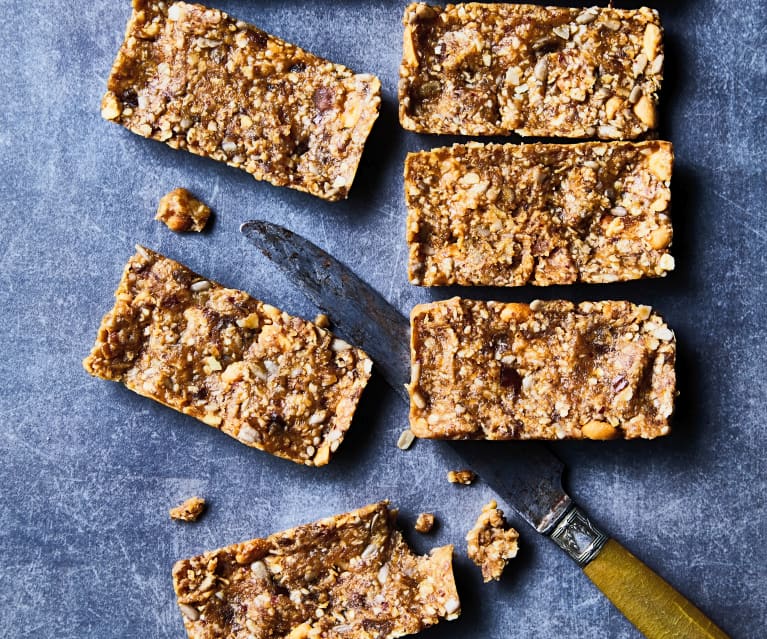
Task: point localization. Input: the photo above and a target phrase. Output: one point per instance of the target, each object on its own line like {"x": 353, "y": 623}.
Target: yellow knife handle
{"x": 644, "y": 598}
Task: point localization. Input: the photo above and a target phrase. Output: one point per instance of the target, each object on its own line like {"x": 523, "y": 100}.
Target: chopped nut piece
{"x": 667, "y": 262}
{"x": 478, "y": 69}
{"x": 405, "y": 440}
{"x": 424, "y": 523}
{"x": 560, "y": 371}
{"x": 180, "y": 211}
{"x": 538, "y": 214}
{"x": 491, "y": 543}
{"x": 190, "y": 510}
{"x": 199, "y": 349}
{"x": 465, "y": 477}
{"x": 355, "y": 568}
{"x": 322, "y": 320}
{"x": 197, "y": 79}
{"x": 599, "y": 430}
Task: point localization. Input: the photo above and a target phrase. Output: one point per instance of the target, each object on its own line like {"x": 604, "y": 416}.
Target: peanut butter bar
{"x": 274, "y": 382}
{"x": 351, "y": 576}
{"x": 548, "y": 370}
{"x": 509, "y": 215}
{"x": 199, "y": 80}
{"x": 491, "y": 543}
{"x": 493, "y": 69}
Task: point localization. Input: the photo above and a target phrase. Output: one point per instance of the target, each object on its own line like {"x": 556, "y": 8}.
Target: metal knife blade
{"x": 525, "y": 474}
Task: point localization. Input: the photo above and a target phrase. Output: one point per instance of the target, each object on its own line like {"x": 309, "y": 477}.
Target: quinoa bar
{"x": 542, "y": 214}
{"x": 348, "y": 577}
{"x": 491, "y": 543}
{"x": 199, "y": 80}
{"x": 493, "y": 69}
{"x": 272, "y": 381}
{"x": 547, "y": 370}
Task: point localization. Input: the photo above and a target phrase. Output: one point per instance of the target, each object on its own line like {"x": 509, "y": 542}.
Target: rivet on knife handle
{"x": 644, "y": 598}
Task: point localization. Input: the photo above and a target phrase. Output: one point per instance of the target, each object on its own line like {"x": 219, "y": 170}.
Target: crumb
{"x": 465, "y": 477}
{"x": 491, "y": 543}
{"x": 190, "y": 510}
{"x": 424, "y": 523}
{"x": 322, "y": 320}
{"x": 180, "y": 211}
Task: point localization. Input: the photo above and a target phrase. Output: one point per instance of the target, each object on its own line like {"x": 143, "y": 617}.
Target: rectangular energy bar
{"x": 548, "y": 370}
{"x": 274, "y": 382}
{"x": 351, "y": 576}
{"x": 509, "y": 215}
{"x": 493, "y": 69}
{"x": 199, "y": 80}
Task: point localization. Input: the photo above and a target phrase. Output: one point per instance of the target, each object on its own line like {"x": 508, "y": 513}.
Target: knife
{"x": 524, "y": 474}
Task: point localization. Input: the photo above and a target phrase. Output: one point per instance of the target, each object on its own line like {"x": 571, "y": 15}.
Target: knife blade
{"x": 527, "y": 475}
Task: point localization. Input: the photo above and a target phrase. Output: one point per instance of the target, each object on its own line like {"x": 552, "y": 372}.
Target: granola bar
{"x": 351, "y": 576}
{"x": 198, "y": 79}
{"x": 493, "y": 69}
{"x": 180, "y": 211}
{"x": 274, "y": 382}
{"x": 542, "y": 214}
{"x": 548, "y": 370}
{"x": 491, "y": 543}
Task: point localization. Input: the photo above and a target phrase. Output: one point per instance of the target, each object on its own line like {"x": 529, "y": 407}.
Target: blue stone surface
{"x": 88, "y": 469}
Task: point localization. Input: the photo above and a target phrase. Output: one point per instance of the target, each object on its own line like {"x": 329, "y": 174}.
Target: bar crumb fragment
{"x": 541, "y": 214}
{"x": 349, "y": 576}
{"x": 464, "y": 477}
{"x": 494, "y": 69}
{"x": 424, "y": 523}
{"x": 180, "y": 211}
{"x": 491, "y": 543}
{"x": 274, "y": 382}
{"x": 189, "y": 511}
{"x": 547, "y": 370}
{"x": 198, "y": 79}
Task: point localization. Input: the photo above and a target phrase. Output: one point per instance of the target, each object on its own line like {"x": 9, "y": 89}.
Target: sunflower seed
{"x": 405, "y": 440}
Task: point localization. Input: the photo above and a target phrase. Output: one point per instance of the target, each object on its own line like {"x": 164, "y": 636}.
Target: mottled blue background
{"x": 88, "y": 469}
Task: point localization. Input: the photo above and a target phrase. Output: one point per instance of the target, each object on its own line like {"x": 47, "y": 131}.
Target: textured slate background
{"x": 89, "y": 469}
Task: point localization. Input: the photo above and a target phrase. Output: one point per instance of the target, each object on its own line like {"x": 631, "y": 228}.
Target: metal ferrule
{"x": 578, "y": 537}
